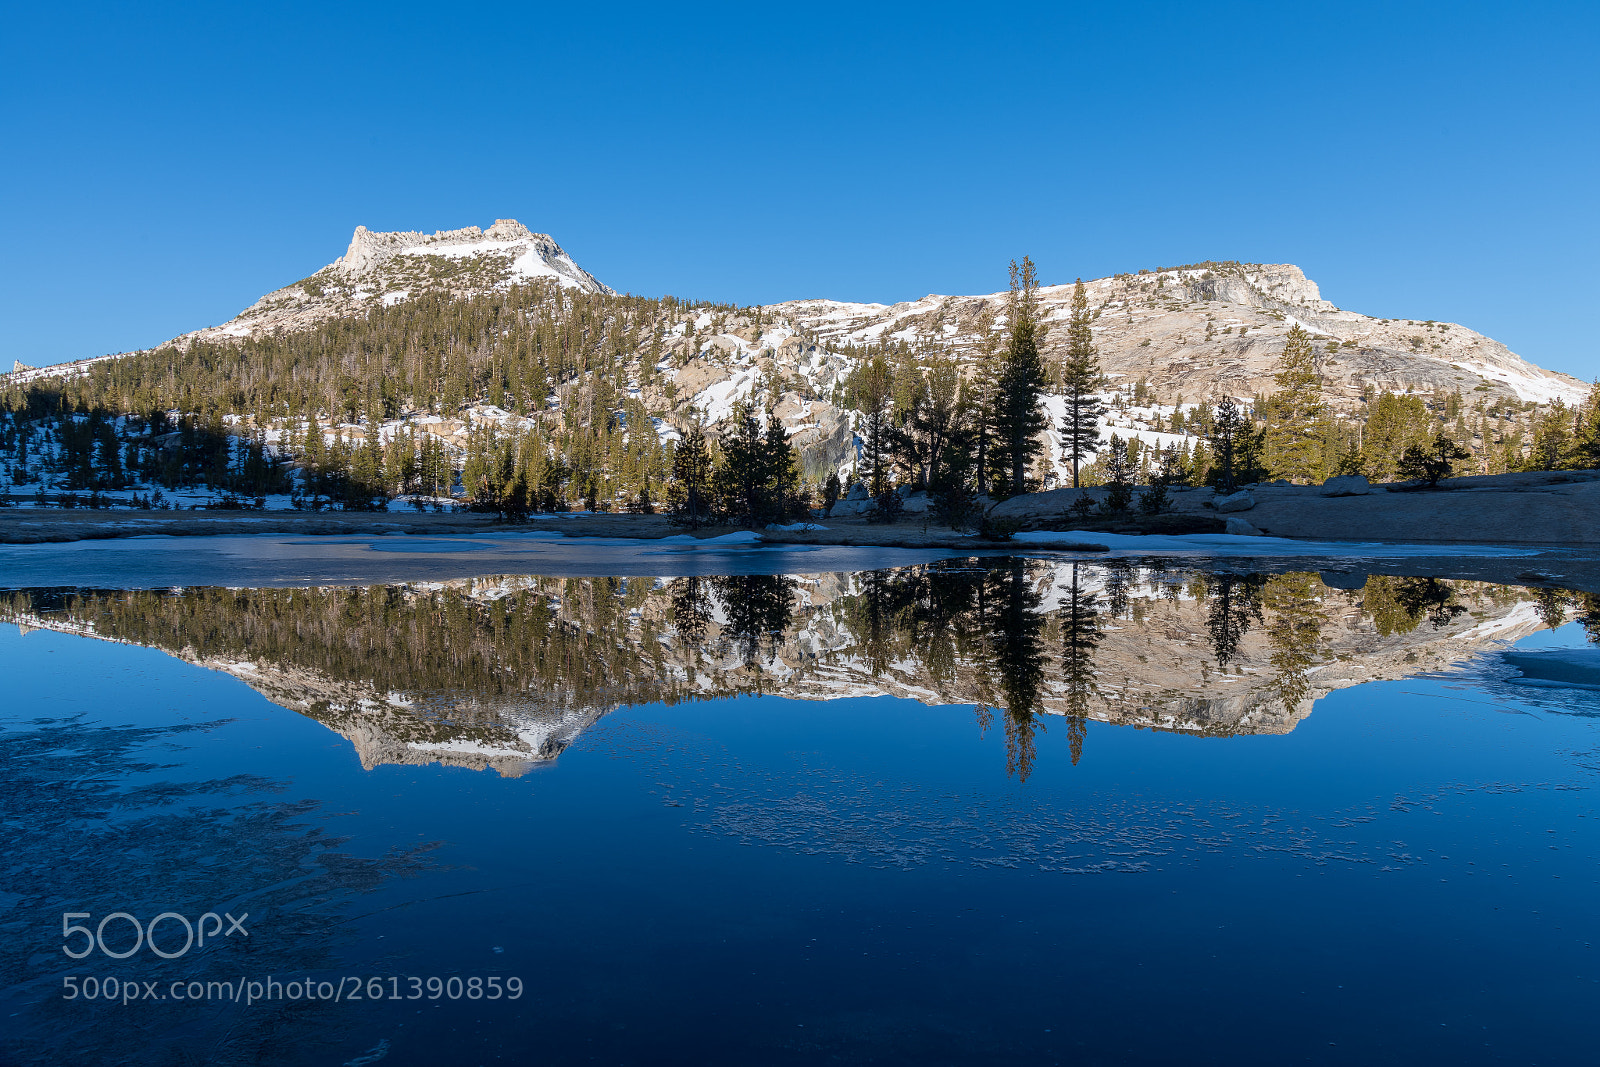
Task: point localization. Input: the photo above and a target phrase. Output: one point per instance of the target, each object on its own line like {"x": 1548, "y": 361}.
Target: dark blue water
{"x": 1406, "y": 876}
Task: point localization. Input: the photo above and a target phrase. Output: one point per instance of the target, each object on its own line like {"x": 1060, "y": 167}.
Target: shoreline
{"x": 1530, "y": 510}
{"x": 1562, "y": 566}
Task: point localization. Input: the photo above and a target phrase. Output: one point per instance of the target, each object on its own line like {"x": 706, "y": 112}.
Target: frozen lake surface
{"x": 285, "y": 560}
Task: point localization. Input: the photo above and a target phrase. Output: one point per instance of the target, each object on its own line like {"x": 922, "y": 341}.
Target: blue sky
{"x": 166, "y": 165}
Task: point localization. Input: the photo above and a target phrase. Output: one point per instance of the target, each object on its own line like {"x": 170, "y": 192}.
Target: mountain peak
{"x": 390, "y": 266}
{"x": 508, "y": 230}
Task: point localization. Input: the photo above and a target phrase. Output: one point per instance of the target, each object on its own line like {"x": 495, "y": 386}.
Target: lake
{"x": 961, "y": 810}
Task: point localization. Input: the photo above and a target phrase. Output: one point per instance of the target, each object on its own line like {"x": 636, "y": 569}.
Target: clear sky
{"x": 165, "y": 165}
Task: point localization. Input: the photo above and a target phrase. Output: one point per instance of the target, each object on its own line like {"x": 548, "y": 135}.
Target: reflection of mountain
{"x": 506, "y": 672}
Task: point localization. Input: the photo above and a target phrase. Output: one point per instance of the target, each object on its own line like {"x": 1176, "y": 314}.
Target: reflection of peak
{"x": 505, "y": 672}
{"x": 509, "y": 736}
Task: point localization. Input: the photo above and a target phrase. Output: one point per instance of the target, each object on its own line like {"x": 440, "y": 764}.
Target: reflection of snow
{"x": 1518, "y": 617}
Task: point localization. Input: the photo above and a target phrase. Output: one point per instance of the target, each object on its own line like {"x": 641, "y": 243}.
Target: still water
{"x": 968, "y": 811}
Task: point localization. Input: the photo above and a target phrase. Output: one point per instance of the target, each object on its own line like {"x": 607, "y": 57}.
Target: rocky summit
{"x": 391, "y": 267}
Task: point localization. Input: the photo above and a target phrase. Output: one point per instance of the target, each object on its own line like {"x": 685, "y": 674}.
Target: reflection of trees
{"x": 759, "y": 608}
{"x": 1398, "y": 605}
{"x": 691, "y": 610}
{"x": 969, "y": 630}
{"x": 876, "y": 615}
{"x": 1016, "y": 656}
{"x": 559, "y": 641}
{"x": 1296, "y": 627}
{"x": 1234, "y": 606}
{"x": 1080, "y": 633}
{"x": 1587, "y": 606}
{"x": 1119, "y": 573}
{"x": 1551, "y": 607}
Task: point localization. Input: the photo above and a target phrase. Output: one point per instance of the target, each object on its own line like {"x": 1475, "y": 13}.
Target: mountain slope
{"x": 391, "y": 267}
{"x": 1214, "y": 329}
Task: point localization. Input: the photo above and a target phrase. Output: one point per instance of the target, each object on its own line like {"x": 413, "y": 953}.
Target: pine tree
{"x": 1394, "y": 424}
{"x": 1296, "y": 415}
{"x": 1119, "y": 470}
{"x": 743, "y": 480}
{"x": 982, "y": 395}
{"x": 1080, "y": 382}
{"x": 1586, "y": 450}
{"x": 1229, "y": 428}
{"x": 1553, "y": 444}
{"x": 1430, "y": 463}
{"x": 783, "y": 498}
{"x": 1018, "y": 414}
{"x": 870, "y": 390}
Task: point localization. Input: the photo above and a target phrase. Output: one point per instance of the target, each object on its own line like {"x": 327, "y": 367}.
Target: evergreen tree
{"x": 1296, "y": 415}
{"x": 981, "y": 398}
{"x": 1080, "y": 383}
{"x": 1433, "y": 462}
{"x": 1230, "y": 429}
{"x": 1552, "y": 440}
{"x": 691, "y": 474}
{"x": 783, "y": 498}
{"x": 870, "y": 389}
{"x": 743, "y": 479}
{"x": 1394, "y": 424}
{"x": 830, "y": 491}
{"x": 1018, "y": 413}
{"x": 1586, "y": 450}
{"x": 1119, "y": 470}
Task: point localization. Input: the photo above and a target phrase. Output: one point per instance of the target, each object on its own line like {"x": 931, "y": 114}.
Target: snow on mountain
{"x": 1211, "y": 330}
{"x": 391, "y": 267}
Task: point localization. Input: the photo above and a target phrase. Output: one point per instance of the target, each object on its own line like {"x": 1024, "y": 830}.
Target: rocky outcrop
{"x": 1346, "y": 485}
{"x": 1217, "y": 329}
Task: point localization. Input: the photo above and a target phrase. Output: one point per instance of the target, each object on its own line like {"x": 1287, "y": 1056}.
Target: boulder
{"x": 858, "y": 491}
{"x": 915, "y": 503}
{"x": 1241, "y": 527}
{"x": 847, "y": 508}
{"x": 1243, "y": 500}
{"x": 1346, "y": 485}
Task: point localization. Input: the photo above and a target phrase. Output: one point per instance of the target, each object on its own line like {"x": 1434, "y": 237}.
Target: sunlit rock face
{"x": 504, "y": 673}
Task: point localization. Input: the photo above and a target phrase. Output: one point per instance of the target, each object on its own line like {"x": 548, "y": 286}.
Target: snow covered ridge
{"x": 1211, "y": 330}
{"x": 1189, "y": 333}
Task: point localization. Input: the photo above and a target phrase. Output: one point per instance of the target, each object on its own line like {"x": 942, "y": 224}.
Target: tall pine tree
{"x": 691, "y": 473}
{"x": 1080, "y": 382}
{"x": 1018, "y": 413}
{"x": 1296, "y": 415}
